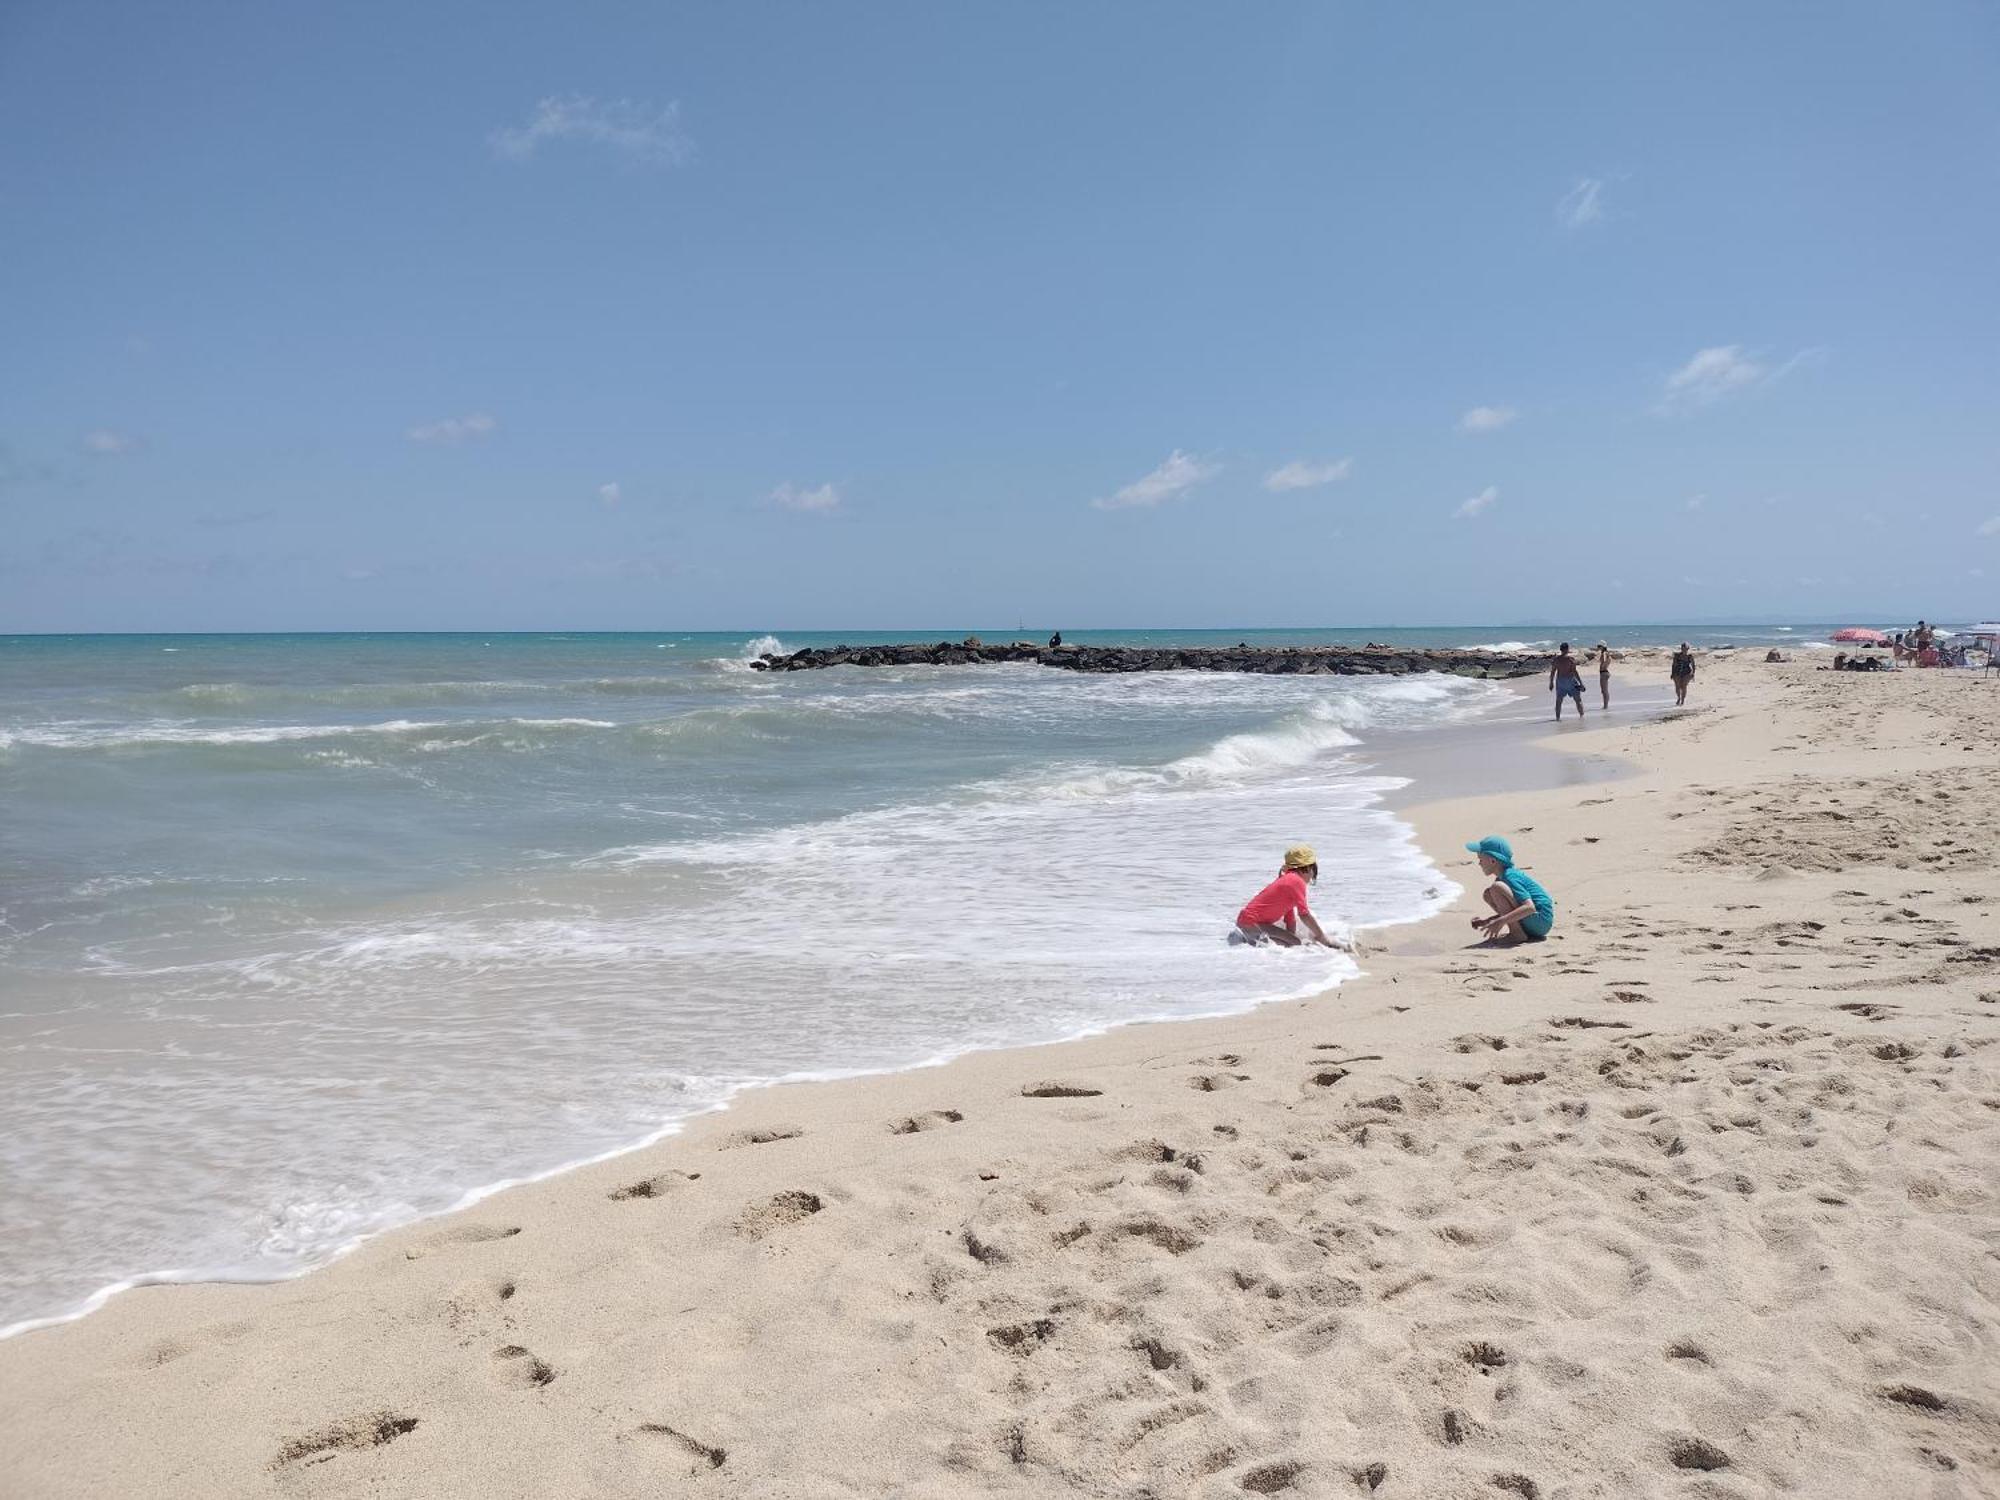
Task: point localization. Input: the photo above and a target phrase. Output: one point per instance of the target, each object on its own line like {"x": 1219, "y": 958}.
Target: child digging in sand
{"x": 1273, "y": 914}
{"x": 1522, "y": 910}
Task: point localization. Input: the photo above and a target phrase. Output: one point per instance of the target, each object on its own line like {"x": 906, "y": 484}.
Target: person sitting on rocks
{"x": 1521, "y": 909}
{"x": 1055, "y": 640}
{"x": 1273, "y": 914}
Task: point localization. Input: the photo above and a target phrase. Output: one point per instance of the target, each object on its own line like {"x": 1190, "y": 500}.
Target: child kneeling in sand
{"x": 1273, "y": 914}
{"x": 1521, "y": 908}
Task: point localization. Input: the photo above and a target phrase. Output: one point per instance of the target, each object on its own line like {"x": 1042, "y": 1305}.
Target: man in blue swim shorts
{"x": 1566, "y": 677}
{"x": 1522, "y": 910}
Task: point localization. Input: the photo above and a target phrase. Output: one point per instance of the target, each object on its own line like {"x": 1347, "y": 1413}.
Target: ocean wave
{"x": 759, "y": 646}
{"x": 238, "y": 697}
{"x": 1514, "y": 646}
{"x": 85, "y": 735}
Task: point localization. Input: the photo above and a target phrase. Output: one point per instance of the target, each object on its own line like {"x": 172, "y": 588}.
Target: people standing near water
{"x": 1273, "y": 914}
{"x": 1566, "y": 677}
{"x": 1521, "y": 910}
{"x": 1603, "y": 655}
{"x": 1682, "y": 671}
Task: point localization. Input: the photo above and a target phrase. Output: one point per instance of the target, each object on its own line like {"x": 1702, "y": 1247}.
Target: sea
{"x": 303, "y": 937}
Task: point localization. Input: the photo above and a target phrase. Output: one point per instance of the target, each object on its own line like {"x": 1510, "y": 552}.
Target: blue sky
{"x": 794, "y": 316}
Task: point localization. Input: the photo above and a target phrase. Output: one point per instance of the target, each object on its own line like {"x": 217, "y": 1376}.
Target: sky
{"x": 766, "y": 316}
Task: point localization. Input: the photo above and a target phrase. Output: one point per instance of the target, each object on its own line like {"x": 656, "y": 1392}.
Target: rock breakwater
{"x": 1343, "y": 661}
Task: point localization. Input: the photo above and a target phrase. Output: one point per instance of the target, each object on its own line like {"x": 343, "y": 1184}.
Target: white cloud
{"x": 1713, "y": 374}
{"x": 789, "y": 496}
{"x": 611, "y": 493}
{"x": 1990, "y": 526}
{"x": 1696, "y": 502}
{"x": 1300, "y": 474}
{"x": 637, "y": 131}
{"x": 1486, "y": 418}
{"x": 1726, "y": 370}
{"x": 103, "y": 440}
{"x": 455, "y": 429}
{"x": 1178, "y": 474}
{"x": 1582, "y": 204}
{"x": 1478, "y": 505}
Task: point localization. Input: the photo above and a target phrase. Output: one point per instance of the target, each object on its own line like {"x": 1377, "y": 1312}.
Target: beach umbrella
{"x": 1860, "y": 635}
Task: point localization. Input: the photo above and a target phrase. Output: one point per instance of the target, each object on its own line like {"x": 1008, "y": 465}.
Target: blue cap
{"x": 1498, "y": 848}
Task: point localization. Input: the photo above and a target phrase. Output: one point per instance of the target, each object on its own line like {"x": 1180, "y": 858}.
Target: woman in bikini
{"x": 1603, "y": 655}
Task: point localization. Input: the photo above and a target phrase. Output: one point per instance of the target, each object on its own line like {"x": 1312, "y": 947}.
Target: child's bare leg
{"x": 1501, "y": 899}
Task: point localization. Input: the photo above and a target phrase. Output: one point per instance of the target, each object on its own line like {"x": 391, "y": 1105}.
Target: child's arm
{"x": 1506, "y": 918}
{"x": 1319, "y": 933}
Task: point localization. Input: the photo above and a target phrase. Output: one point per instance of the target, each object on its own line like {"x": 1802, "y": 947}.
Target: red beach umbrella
{"x": 1860, "y": 635}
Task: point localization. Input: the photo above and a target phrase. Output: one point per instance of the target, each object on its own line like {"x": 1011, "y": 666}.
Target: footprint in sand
{"x": 1270, "y": 1479}
{"x": 354, "y": 1435}
{"x": 1696, "y": 1453}
{"x": 653, "y": 1187}
{"x": 1209, "y": 1083}
{"x": 930, "y": 1119}
{"x": 762, "y": 1136}
{"x": 781, "y": 1209}
{"x": 464, "y": 1234}
{"x": 705, "y": 1456}
{"x": 516, "y": 1368}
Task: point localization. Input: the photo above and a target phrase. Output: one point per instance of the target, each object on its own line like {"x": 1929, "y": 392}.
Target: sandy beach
{"x": 1700, "y": 1197}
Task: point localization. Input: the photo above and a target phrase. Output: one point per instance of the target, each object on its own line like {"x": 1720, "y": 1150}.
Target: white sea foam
{"x": 86, "y": 735}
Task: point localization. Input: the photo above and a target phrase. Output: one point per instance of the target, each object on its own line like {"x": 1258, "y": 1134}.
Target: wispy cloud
{"x": 1715, "y": 373}
{"x": 789, "y": 496}
{"x": 1178, "y": 474}
{"x": 1478, "y": 504}
{"x": 648, "y": 134}
{"x": 1301, "y": 474}
{"x": 1696, "y": 502}
{"x": 1486, "y": 418}
{"x": 1582, "y": 204}
{"x": 1990, "y": 526}
{"x": 455, "y": 430}
{"x": 1726, "y": 370}
{"x": 611, "y": 493}
{"x": 107, "y": 443}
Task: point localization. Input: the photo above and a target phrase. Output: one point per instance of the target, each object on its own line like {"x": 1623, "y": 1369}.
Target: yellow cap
{"x": 1299, "y": 856}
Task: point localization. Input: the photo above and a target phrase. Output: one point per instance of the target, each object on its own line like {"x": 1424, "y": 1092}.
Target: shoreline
{"x": 1445, "y": 749}
{"x": 804, "y": 1254}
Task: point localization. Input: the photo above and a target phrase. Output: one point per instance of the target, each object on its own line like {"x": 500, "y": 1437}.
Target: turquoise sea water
{"x": 304, "y": 936}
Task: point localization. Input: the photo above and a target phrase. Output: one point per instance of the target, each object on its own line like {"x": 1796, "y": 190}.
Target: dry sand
{"x": 1699, "y": 1198}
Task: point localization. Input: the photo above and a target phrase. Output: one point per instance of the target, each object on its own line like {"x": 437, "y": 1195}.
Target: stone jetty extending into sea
{"x": 1344, "y": 661}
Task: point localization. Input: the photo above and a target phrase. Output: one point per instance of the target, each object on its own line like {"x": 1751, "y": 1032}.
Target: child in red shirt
{"x": 1273, "y": 913}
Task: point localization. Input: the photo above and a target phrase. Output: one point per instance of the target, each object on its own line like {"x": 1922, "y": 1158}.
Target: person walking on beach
{"x": 1566, "y": 677}
{"x": 1682, "y": 671}
{"x": 1603, "y": 655}
{"x": 1521, "y": 911}
{"x": 1273, "y": 914}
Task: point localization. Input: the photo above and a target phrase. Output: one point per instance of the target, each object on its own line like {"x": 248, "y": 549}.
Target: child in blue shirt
{"x": 1521, "y": 909}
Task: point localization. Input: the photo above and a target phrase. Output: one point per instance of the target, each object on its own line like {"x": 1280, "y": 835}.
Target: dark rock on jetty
{"x": 1344, "y": 661}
